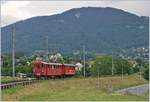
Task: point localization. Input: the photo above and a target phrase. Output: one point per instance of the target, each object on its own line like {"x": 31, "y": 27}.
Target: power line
{"x": 13, "y": 50}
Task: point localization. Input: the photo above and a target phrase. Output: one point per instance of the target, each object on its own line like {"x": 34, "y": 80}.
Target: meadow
{"x": 76, "y": 89}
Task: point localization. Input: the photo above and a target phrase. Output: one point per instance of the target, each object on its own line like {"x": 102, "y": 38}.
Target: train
{"x": 51, "y": 70}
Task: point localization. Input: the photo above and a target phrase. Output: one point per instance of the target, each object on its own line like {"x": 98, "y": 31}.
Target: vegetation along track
{"x": 9, "y": 84}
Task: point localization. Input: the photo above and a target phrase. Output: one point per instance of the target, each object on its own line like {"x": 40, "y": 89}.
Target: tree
{"x": 146, "y": 74}
{"x": 103, "y": 65}
{"x": 122, "y": 63}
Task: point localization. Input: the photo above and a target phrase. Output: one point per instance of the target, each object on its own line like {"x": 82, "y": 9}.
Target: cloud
{"x": 19, "y": 10}
{"x": 5, "y": 19}
{"x": 14, "y": 9}
{"x": 140, "y": 8}
{"x": 3, "y": 1}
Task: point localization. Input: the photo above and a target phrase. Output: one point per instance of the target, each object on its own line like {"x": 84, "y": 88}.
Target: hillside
{"x": 99, "y": 29}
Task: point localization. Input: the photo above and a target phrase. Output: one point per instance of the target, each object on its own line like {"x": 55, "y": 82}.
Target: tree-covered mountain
{"x": 99, "y": 29}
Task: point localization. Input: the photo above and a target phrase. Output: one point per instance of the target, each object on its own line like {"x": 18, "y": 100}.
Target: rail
{"x": 7, "y": 85}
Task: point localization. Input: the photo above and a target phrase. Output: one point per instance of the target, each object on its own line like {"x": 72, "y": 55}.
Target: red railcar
{"x": 45, "y": 69}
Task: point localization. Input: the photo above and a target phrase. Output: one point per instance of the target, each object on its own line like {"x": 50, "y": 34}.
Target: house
{"x": 21, "y": 75}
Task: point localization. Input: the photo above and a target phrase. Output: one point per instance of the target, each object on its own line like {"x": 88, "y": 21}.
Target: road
{"x": 137, "y": 90}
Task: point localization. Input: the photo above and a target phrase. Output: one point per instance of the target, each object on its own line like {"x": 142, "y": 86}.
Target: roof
{"x": 21, "y": 73}
{"x": 56, "y": 63}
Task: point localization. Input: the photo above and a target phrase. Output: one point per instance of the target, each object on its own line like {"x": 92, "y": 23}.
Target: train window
{"x": 58, "y": 66}
{"x": 52, "y": 66}
{"x": 45, "y": 65}
{"x": 71, "y": 67}
{"x": 42, "y": 66}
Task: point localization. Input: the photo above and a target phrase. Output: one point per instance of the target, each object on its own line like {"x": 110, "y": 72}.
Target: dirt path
{"x": 137, "y": 90}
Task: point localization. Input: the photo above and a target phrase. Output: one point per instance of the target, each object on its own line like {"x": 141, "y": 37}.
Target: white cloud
{"x": 14, "y": 9}
{"x": 5, "y": 19}
{"x": 26, "y": 9}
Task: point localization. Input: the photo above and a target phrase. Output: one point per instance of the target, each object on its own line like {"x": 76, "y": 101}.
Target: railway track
{"x": 6, "y": 85}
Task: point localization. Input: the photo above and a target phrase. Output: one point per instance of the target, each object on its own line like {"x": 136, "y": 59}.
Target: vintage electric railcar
{"x": 44, "y": 69}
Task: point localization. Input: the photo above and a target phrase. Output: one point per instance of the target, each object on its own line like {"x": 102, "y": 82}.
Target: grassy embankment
{"x": 8, "y": 78}
{"x": 78, "y": 89}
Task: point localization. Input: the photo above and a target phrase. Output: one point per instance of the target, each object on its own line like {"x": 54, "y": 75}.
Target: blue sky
{"x": 12, "y": 11}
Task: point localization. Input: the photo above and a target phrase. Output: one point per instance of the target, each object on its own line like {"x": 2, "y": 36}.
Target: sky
{"x": 13, "y": 11}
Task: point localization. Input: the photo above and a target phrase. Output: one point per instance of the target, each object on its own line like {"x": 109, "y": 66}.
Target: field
{"x": 78, "y": 89}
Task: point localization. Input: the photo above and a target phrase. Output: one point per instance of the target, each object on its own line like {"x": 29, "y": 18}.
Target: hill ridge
{"x": 99, "y": 29}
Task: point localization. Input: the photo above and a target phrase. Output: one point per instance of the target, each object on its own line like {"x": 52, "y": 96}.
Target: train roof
{"x": 55, "y": 63}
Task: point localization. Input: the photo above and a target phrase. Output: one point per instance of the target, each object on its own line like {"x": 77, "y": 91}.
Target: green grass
{"x": 8, "y": 78}
{"x": 78, "y": 89}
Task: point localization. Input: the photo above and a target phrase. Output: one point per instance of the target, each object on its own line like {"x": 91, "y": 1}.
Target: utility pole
{"x": 84, "y": 58}
{"x": 112, "y": 70}
{"x": 98, "y": 79}
{"x": 140, "y": 71}
{"x": 98, "y": 70}
{"x": 122, "y": 69}
{"x": 141, "y": 66}
{"x": 13, "y": 50}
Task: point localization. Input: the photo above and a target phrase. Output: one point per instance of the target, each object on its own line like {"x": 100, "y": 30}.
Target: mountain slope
{"x": 99, "y": 29}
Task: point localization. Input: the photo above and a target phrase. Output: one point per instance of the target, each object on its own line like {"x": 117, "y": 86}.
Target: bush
{"x": 146, "y": 74}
